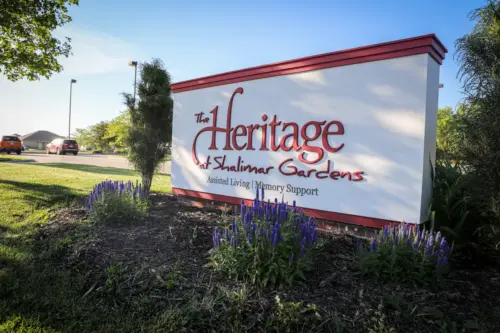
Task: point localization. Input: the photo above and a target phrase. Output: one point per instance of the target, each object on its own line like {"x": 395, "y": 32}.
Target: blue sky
{"x": 198, "y": 38}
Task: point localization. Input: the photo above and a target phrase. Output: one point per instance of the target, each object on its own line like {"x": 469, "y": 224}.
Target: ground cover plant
{"x": 59, "y": 273}
{"x": 266, "y": 244}
{"x": 115, "y": 202}
{"x": 405, "y": 253}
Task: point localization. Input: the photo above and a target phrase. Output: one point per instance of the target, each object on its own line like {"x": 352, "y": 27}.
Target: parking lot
{"x": 113, "y": 161}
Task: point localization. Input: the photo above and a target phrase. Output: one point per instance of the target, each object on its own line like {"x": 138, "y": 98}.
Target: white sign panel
{"x": 357, "y": 141}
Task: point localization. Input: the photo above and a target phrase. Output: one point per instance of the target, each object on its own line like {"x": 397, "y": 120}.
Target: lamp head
{"x": 132, "y": 63}
{"x": 73, "y": 81}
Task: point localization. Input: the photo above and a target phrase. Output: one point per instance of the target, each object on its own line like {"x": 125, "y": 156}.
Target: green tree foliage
{"x": 83, "y": 137}
{"x": 99, "y": 135}
{"x": 94, "y": 137}
{"x": 470, "y": 195}
{"x": 27, "y": 47}
{"x": 117, "y": 131}
{"x": 150, "y": 133}
{"x": 448, "y": 135}
{"x": 478, "y": 53}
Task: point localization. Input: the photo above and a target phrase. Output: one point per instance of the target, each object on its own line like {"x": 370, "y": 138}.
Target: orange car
{"x": 11, "y": 144}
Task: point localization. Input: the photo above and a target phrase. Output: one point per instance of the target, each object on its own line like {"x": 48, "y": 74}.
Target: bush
{"x": 267, "y": 244}
{"x": 404, "y": 253}
{"x": 462, "y": 211}
{"x": 116, "y": 202}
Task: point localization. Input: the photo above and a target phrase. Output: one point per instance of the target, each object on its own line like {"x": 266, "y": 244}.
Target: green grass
{"x": 9, "y": 158}
{"x": 34, "y": 290}
{"x": 29, "y": 191}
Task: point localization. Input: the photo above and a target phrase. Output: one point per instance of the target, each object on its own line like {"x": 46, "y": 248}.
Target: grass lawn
{"x": 29, "y": 191}
{"x": 9, "y": 158}
{"x": 61, "y": 273}
{"x": 29, "y": 196}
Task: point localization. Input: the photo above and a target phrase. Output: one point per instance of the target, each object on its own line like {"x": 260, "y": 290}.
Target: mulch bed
{"x": 176, "y": 236}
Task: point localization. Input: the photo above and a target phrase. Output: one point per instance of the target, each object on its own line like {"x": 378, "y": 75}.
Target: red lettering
{"x": 317, "y": 132}
{"x": 241, "y": 136}
{"x": 327, "y": 132}
{"x": 358, "y": 176}
{"x": 335, "y": 175}
{"x": 273, "y": 125}
{"x": 263, "y": 145}
{"x": 326, "y": 172}
{"x": 228, "y": 120}
{"x": 290, "y": 167}
{"x": 236, "y": 134}
{"x": 343, "y": 174}
{"x": 251, "y": 128}
{"x": 294, "y": 135}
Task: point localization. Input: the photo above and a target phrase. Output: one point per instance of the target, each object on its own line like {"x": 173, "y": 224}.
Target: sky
{"x": 199, "y": 38}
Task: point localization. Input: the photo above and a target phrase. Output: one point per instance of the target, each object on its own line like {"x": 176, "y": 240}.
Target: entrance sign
{"x": 348, "y": 135}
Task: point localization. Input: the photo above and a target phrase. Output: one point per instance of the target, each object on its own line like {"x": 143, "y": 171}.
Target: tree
{"x": 150, "y": 133}
{"x": 448, "y": 133}
{"x": 478, "y": 53}
{"x": 98, "y": 135}
{"x": 83, "y": 137}
{"x": 27, "y": 47}
{"x": 117, "y": 131}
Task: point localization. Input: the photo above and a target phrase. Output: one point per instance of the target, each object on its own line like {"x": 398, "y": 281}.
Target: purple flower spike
{"x": 291, "y": 258}
{"x": 386, "y": 231}
{"x": 443, "y": 243}
{"x": 262, "y": 194}
{"x": 358, "y": 243}
{"x": 374, "y": 244}
{"x": 275, "y": 239}
{"x": 439, "y": 262}
{"x": 445, "y": 260}
{"x": 408, "y": 242}
{"x": 257, "y": 194}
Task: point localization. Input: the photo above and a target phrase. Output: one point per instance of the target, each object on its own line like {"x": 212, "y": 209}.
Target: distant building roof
{"x": 43, "y": 136}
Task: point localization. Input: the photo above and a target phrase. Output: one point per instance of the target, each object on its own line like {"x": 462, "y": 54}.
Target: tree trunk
{"x": 147, "y": 180}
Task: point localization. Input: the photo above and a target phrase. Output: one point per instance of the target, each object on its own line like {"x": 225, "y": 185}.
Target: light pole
{"x": 70, "y": 93}
{"x": 134, "y": 63}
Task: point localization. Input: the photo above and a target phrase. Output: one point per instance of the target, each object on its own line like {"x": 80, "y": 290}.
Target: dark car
{"x": 62, "y": 146}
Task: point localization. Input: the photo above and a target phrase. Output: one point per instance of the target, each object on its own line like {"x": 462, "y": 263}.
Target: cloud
{"x": 95, "y": 52}
{"x": 99, "y": 63}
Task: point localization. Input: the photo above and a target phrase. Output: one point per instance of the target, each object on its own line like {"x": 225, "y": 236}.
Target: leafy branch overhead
{"x": 28, "y": 48}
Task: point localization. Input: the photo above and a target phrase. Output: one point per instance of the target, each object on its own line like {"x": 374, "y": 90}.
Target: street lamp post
{"x": 134, "y": 63}
{"x": 70, "y": 93}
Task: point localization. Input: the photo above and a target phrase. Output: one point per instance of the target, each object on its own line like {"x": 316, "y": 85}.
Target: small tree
{"x": 150, "y": 132}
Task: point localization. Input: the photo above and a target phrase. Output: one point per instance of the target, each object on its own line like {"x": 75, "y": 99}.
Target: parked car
{"x": 11, "y": 144}
{"x": 62, "y": 146}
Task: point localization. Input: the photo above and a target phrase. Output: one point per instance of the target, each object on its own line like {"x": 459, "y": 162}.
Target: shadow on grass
{"x": 97, "y": 169}
{"x": 42, "y": 193}
{"x": 92, "y": 169}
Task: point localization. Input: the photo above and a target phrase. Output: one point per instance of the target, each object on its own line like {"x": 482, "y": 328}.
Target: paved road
{"x": 88, "y": 159}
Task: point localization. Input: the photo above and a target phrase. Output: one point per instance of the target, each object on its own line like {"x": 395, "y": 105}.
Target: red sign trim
{"x": 316, "y": 213}
{"x": 429, "y": 44}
